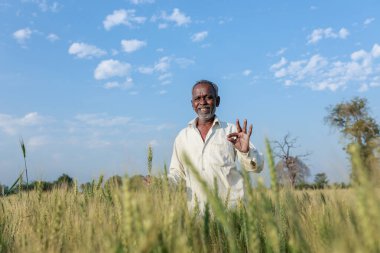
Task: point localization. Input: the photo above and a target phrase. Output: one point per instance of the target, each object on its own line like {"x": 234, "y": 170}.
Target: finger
{"x": 245, "y": 126}
{"x": 250, "y": 131}
{"x": 232, "y": 140}
{"x": 238, "y": 126}
{"x": 233, "y": 135}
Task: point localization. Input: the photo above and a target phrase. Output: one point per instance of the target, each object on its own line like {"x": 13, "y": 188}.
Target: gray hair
{"x": 213, "y": 85}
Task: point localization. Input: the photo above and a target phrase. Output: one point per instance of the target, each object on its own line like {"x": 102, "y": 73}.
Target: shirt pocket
{"x": 222, "y": 155}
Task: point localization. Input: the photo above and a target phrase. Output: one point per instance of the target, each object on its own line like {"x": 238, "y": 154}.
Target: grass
{"x": 155, "y": 218}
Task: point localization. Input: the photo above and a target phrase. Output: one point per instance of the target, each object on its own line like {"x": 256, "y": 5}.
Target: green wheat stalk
{"x": 150, "y": 159}
{"x": 15, "y": 183}
{"x": 22, "y": 144}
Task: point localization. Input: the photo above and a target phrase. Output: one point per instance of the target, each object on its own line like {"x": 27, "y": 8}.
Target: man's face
{"x": 204, "y": 101}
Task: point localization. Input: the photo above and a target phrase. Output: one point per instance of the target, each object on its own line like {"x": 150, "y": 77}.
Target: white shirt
{"x": 213, "y": 158}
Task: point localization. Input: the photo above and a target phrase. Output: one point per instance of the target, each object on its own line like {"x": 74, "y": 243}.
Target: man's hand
{"x": 240, "y": 139}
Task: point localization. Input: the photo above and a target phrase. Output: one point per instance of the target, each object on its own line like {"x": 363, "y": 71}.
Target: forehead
{"x": 203, "y": 88}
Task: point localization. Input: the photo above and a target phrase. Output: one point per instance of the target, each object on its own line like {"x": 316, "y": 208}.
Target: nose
{"x": 203, "y": 101}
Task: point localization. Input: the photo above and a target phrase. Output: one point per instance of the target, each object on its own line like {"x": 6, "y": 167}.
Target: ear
{"x": 217, "y": 101}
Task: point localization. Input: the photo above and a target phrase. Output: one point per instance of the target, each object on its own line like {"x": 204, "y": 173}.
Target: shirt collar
{"x": 193, "y": 122}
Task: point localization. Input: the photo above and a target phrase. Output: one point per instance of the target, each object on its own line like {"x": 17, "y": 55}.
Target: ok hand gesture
{"x": 240, "y": 139}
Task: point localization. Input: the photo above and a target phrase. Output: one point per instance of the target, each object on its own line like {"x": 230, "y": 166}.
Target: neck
{"x": 205, "y": 122}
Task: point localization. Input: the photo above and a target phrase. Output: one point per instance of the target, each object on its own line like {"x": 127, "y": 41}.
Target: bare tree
{"x": 290, "y": 169}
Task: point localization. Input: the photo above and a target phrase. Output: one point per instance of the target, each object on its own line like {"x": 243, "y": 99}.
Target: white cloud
{"x": 247, "y": 72}
{"x": 163, "y": 64}
{"x": 97, "y": 143}
{"x": 83, "y": 50}
{"x": 111, "y": 68}
{"x": 207, "y": 45}
{"x": 166, "y": 82}
{"x": 45, "y": 5}
{"x": 162, "y": 92}
{"x": 343, "y": 33}
{"x": 162, "y": 67}
{"x": 11, "y": 125}
{"x": 52, "y": 37}
{"x": 279, "y": 64}
{"x": 320, "y": 73}
{"x": 197, "y": 37}
{"x": 141, "y": 1}
{"x": 178, "y": 17}
{"x": 375, "y": 51}
{"x": 224, "y": 20}
{"x": 162, "y": 26}
{"x": 327, "y": 33}
{"x": 36, "y": 141}
{"x": 281, "y": 51}
{"x": 31, "y": 119}
{"x": 102, "y": 120}
{"x": 164, "y": 76}
{"x": 368, "y": 21}
{"x": 127, "y": 84}
{"x": 363, "y": 87}
{"x": 130, "y": 46}
{"x": 22, "y": 35}
{"x": 146, "y": 70}
{"x": 122, "y": 17}
{"x": 164, "y": 126}
{"x": 111, "y": 85}
{"x": 184, "y": 62}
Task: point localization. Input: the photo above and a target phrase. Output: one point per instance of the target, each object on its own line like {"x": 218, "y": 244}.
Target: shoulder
{"x": 228, "y": 127}
{"x": 182, "y": 134}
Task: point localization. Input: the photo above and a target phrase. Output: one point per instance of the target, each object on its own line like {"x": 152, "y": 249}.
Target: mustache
{"x": 204, "y": 107}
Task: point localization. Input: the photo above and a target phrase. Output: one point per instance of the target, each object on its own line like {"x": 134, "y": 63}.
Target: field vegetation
{"x": 114, "y": 217}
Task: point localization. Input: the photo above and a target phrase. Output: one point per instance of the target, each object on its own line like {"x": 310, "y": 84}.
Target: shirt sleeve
{"x": 176, "y": 169}
{"x": 253, "y": 160}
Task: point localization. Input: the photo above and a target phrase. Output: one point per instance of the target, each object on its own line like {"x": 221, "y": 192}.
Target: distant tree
{"x": 352, "y": 119}
{"x": 87, "y": 187}
{"x": 42, "y": 185}
{"x": 137, "y": 182}
{"x": 290, "y": 168}
{"x": 114, "y": 181}
{"x": 320, "y": 180}
{"x": 341, "y": 185}
{"x": 304, "y": 186}
{"x": 64, "y": 180}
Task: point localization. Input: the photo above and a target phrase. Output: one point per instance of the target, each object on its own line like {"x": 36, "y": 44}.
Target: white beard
{"x": 206, "y": 116}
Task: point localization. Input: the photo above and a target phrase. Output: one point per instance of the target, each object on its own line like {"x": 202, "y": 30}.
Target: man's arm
{"x": 176, "y": 169}
{"x": 253, "y": 160}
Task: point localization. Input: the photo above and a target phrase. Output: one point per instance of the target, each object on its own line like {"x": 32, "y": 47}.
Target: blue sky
{"x": 89, "y": 85}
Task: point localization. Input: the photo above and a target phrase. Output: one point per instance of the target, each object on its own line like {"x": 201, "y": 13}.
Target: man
{"x": 213, "y": 148}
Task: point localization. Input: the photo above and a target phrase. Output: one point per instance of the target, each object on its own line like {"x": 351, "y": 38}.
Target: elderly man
{"x": 213, "y": 147}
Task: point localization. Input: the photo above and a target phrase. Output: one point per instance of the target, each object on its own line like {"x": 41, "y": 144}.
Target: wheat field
{"x": 155, "y": 218}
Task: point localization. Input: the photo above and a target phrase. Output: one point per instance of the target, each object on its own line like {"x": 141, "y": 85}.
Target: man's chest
{"x": 214, "y": 150}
